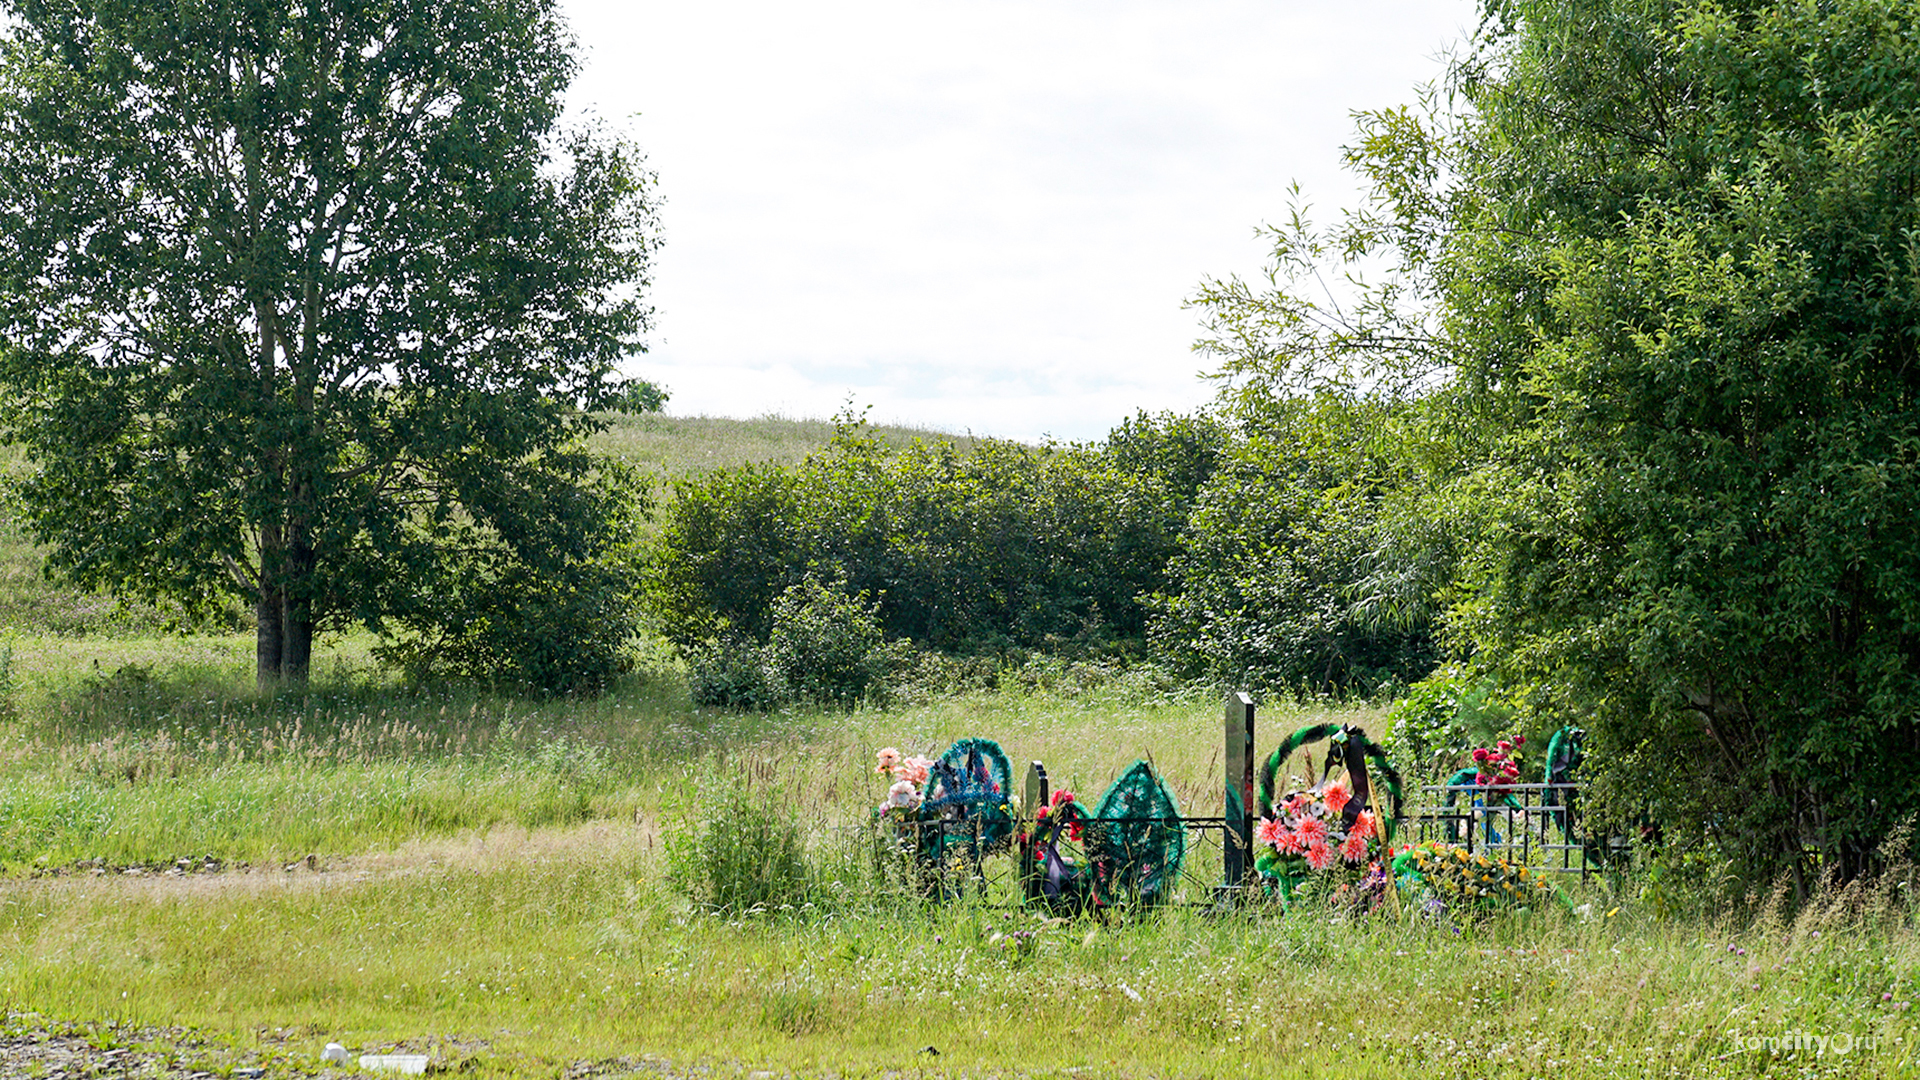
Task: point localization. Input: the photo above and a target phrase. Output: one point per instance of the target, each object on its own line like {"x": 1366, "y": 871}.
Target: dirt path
{"x": 502, "y": 846}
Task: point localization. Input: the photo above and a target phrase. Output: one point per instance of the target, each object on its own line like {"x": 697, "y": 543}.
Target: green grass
{"x": 676, "y": 446}
{"x": 490, "y": 883}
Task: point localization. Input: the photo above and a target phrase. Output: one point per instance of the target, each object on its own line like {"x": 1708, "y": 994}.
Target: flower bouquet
{"x": 1454, "y": 879}
{"x": 1310, "y": 837}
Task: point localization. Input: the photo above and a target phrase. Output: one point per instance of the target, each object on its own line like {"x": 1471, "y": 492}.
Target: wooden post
{"x": 1239, "y": 801}
{"x": 1036, "y": 798}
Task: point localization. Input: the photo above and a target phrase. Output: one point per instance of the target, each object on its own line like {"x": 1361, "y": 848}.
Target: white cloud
{"x": 976, "y": 214}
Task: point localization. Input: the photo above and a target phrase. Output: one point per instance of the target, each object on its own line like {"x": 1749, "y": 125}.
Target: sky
{"x": 976, "y": 216}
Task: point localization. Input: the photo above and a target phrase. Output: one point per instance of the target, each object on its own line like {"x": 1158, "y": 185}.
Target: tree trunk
{"x": 269, "y": 639}
{"x": 296, "y": 649}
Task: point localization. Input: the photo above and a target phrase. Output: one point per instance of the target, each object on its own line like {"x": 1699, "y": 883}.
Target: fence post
{"x": 1238, "y": 848}
{"x": 1036, "y": 799}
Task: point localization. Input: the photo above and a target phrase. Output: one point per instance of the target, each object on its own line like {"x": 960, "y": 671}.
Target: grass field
{"x": 487, "y": 882}
{"x": 488, "y": 879}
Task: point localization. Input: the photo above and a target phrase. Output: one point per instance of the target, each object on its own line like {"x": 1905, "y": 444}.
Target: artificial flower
{"x": 1319, "y": 855}
{"x": 902, "y": 795}
{"x": 1336, "y": 795}
{"x": 888, "y": 758}
{"x": 1366, "y": 824}
{"x": 1270, "y": 832}
{"x": 1354, "y": 847}
{"x": 1310, "y": 830}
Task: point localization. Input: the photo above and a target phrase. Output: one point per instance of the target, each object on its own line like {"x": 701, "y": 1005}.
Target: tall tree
{"x": 1658, "y": 260}
{"x": 302, "y": 301}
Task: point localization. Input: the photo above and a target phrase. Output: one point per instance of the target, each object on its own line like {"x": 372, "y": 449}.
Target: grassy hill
{"x": 676, "y": 446}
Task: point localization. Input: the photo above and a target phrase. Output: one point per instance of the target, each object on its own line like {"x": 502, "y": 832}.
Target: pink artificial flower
{"x": 1298, "y": 803}
{"x": 1354, "y": 847}
{"x": 1336, "y": 795}
{"x": 902, "y": 795}
{"x": 1319, "y": 855}
{"x": 1290, "y": 843}
{"x": 1481, "y": 755}
{"x": 1505, "y": 746}
{"x": 888, "y": 759}
{"x": 1310, "y": 830}
{"x": 1483, "y": 779}
{"x": 1269, "y": 832}
{"x": 1519, "y": 740}
{"x": 913, "y": 769}
{"x": 1059, "y": 797}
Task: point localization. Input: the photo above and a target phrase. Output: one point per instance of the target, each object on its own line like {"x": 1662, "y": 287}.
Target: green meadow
{"x": 497, "y": 881}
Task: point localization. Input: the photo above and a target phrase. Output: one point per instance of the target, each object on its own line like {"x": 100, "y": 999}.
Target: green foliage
{"x": 731, "y": 673}
{"x": 542, "y": 598}
{"x": 826, "y": 646}
{"x": 301, "y": 298}
{"x": 1442, "y": 719}
{"x": 996, "y": 546}
{"x": 1266, "y": 586}
{"x": 741, "y": 849}
{"x": 637, "y": 397}
{"x": 1654, "y": 276}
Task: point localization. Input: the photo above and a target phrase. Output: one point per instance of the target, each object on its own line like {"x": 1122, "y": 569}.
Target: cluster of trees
{"x": 1230, "y": 547}
{"x": 1652, "y": 284}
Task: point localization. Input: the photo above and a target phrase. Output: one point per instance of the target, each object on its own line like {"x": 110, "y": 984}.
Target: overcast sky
{"x": 976, "y": 215}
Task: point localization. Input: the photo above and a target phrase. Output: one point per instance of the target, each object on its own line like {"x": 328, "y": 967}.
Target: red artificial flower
{"x": 1354, "y": 847}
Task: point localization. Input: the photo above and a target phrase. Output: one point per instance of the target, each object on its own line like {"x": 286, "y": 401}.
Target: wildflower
{"x": 1336, "y": 795}
{"x": 1319, "y": 855}
{"x": 888, "y": 759}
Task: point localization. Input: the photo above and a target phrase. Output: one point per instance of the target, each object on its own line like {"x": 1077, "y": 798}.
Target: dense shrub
{"x": 539, "y": 599}
{"x": 1270, "y": 585}
{"x": 996, "y": 547}
{"x": 825, "y": 646}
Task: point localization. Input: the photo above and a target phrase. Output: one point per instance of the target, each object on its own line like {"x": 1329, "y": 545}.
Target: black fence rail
{"x": 1511, "y": 821}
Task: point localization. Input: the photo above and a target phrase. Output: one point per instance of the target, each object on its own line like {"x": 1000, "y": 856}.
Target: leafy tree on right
{"x": 1656, "y": 266}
